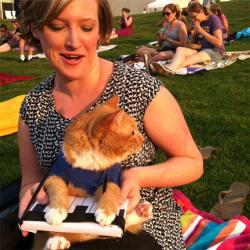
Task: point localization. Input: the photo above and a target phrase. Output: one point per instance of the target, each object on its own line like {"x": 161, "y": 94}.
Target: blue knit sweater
{"x": 89, "y": 180}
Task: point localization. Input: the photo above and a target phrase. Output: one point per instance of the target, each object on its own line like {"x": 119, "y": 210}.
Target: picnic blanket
{"x": 229, "y": 58}
{"x": 201, "y": 230}
{"x": 6, "y": 78}
{"x": 9, "y": 113}
{"x": 102, "y": 48}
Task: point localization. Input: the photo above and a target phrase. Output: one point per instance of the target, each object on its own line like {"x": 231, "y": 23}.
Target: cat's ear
{"x": 112, "y": 120}
{"x": 113, "y": 101}
{"x": 118, "y": 117}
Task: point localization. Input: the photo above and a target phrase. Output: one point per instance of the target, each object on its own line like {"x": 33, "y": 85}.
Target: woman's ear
{"x": 34, "y": 32}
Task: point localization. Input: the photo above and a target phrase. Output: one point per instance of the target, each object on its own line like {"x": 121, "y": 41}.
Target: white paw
{"x": 55, "y": 216}
{"x": 57, "y": 242}
{"x": 142, "y": 213}
{"x": 102, "y": 218}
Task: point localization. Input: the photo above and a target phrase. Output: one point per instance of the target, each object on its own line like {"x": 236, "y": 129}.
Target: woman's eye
{"x": 87, "y": 28}
{"x": 56, "y": 27}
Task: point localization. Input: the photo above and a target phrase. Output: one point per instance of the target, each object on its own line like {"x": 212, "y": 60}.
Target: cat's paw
{"x": 55, "y": 216}
{"x": 57, "y": 242}
{"x": 102, "y": 218}
{"x": 143, "y": 212}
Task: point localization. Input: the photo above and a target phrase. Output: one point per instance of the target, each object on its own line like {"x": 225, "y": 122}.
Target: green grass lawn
{"x": 215, "y": 104}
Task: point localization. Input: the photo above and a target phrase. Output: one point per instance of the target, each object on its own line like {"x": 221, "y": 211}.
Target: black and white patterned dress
{"x": 136, "y": 90}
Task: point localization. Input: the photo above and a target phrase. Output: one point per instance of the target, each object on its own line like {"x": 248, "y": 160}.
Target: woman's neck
{"x": 205, "y": 17}
{"x": 171, "y": 23}
{"x": 73, "y": 96}
{"x": 86, "y": 84}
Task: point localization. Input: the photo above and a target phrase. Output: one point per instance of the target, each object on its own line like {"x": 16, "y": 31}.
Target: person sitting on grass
{"x": 126, "y": 23}
{"x": 11, "y": 38}
{"x": 216, "y": 9}
{"x": 5, "y": 34}
{"x": 68, "y": 32}
{"x": 206, "y": 44}
{"x": 172, "y": 35}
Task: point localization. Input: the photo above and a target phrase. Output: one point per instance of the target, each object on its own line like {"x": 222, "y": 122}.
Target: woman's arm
{"x": 128, "y": 20}
{"x": 31, "y": 172}
{"x": 224, "y": 22}
{"x": 215, "y": 39}
{"x": 166, "y": 127}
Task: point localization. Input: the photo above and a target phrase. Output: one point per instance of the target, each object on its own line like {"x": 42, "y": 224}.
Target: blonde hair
{"x": 40, "y": 12}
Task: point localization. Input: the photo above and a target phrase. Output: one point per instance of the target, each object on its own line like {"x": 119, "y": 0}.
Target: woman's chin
{"x": 71, "y": 74}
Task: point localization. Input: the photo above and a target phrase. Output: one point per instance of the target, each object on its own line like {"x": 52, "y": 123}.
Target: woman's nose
{"x": 73, "y": 40}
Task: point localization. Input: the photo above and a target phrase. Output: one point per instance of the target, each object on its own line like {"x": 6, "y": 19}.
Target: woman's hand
{"x": 25, "y": 197}
{"x": 130, "y": 188}
{"x": 197, "y": 27}
{"x": 163, "y": 37}
{"x": 125, "y": 15}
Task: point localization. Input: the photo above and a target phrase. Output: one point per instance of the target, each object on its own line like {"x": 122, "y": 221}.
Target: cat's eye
{"x": 133, "y": 132}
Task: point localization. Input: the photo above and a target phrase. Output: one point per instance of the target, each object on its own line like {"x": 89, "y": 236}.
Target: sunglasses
{"x": 167, "y": 13}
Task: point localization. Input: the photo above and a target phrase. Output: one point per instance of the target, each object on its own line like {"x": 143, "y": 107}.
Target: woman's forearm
{"x": 174, "y": 172}
{"x": 217, "y": 42}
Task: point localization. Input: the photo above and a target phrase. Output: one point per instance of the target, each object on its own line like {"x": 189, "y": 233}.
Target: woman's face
{"x": 124, "y": 13}
{"x": 70, "y": 40}
{"x": 197, "y": 16}
{"x": 169, "y": 15}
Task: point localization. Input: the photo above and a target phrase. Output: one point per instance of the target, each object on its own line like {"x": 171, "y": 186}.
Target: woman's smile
{"x": 71, "y": 59}
{"x": 70, "y": 40}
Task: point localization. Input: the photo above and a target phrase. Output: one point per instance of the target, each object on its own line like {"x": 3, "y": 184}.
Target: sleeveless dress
{"x": 124, "y": 30}
{"x": 173, "y": 34}
{"x": 136, "y": 90}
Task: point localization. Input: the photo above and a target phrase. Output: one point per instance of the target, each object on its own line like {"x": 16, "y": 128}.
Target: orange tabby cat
{"x": 94, "y": 143}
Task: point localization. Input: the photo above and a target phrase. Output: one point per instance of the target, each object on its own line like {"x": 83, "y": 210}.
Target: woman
{"x": 5, "y": 34}
{"x": 22, "y": 45}
{"x": 126, "y": 23}
{"x": 82, "y": 80}
{"x": 206, "y": 44}
{"x": 12, "y": 38}
{"x": 172, "y": 35}
{"x": 216, "y": 9}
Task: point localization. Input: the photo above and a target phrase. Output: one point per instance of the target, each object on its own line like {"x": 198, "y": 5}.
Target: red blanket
{"x": 6, "y": 78}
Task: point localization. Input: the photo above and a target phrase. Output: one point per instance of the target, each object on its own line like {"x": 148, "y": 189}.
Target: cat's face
{"x": 102, "y": 137}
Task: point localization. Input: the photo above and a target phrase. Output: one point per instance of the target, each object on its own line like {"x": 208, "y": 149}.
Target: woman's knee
{"x": 5, "y": 47}
{"x": 140, "y": 52}
{"x": 180, "y": 49}
{"x": 166, "y": 54}
{"x": 185, "y": 51}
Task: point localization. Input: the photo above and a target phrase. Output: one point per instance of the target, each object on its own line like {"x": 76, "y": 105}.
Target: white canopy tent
{"x": 159, "y": 4}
